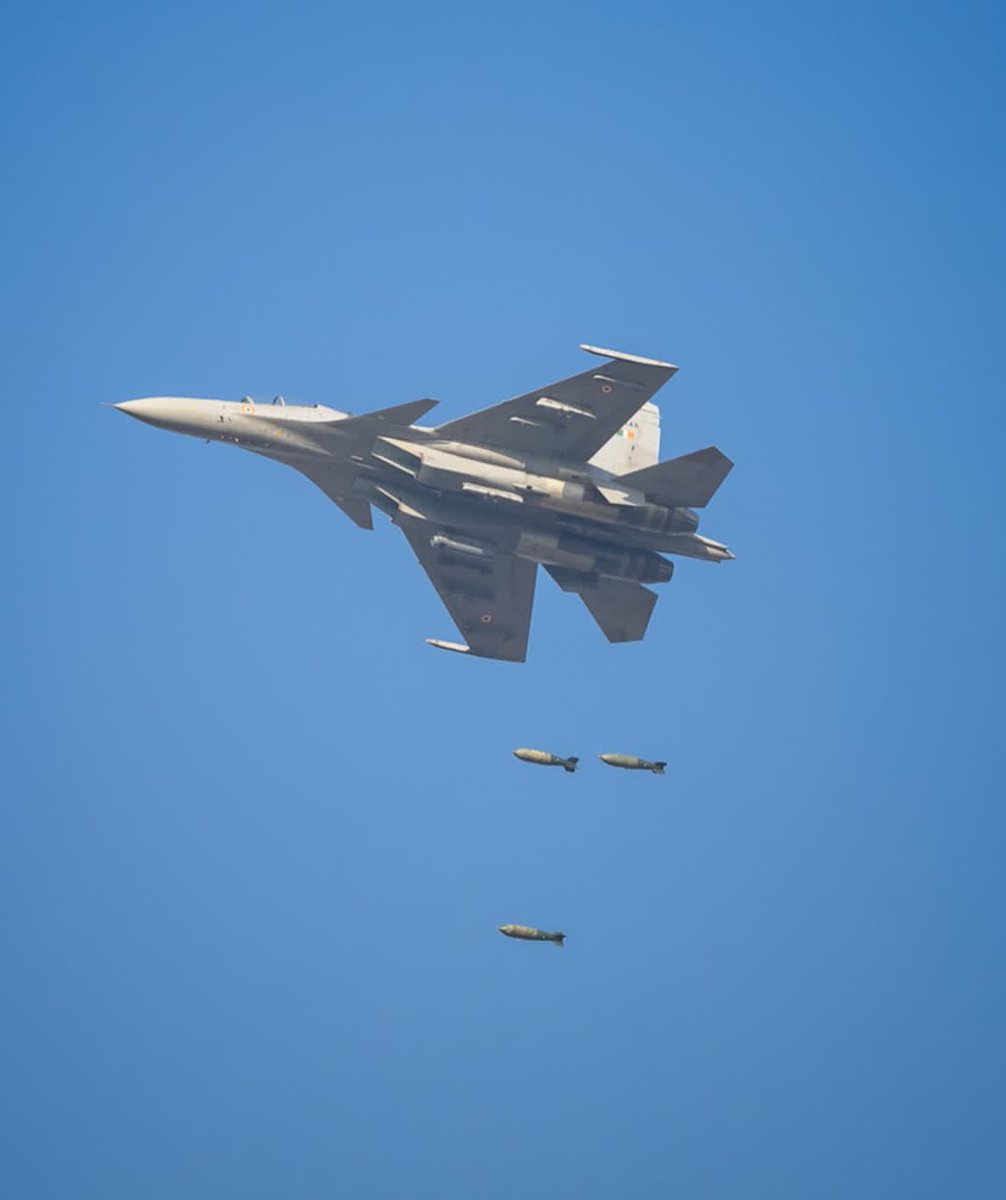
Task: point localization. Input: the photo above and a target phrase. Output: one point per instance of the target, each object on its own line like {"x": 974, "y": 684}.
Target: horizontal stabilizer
{"x": 690, "y": 481}
{"x": 622, "y": 609}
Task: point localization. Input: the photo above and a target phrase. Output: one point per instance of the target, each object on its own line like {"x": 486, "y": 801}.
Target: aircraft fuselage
{"x": 547, "y": 511}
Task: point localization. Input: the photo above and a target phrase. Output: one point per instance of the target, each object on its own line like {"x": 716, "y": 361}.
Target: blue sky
{"x": 258, "y": 836}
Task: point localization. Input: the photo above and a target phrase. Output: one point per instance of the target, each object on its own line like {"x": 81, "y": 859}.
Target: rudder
{"x": 635, "y": 446}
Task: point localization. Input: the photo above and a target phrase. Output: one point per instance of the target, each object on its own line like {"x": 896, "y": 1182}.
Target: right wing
{"x": 488, "y": 598}
{"x": 621, "y": 608}
{"x": 571, "y": 419}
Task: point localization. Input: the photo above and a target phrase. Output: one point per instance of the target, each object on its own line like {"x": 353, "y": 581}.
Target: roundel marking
{"x": 486, "y": 618}
{"x": 606, "y": 387}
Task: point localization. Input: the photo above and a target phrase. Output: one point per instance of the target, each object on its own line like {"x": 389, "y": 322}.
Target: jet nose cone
{"x": 143, "y": 410}
{"x": 165, "y": 411}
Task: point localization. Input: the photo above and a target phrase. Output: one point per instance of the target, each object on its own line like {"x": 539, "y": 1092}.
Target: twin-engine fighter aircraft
{"x": 565, "y": 476}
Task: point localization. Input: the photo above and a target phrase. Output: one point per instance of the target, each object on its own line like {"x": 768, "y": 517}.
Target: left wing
{"x": 489, "y": 598}
{"x": 570, "y": 419}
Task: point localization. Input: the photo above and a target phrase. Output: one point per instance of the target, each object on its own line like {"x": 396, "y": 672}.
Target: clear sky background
{"x": 257, "y": 836}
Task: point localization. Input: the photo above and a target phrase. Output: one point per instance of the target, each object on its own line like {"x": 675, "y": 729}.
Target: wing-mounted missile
{"x": 563, "y": 410}
{"x": 466, "y": 547}
{"x": 491, "y": 493}
{"x": 474, "y": 561}
{"x": 455, "y": 647}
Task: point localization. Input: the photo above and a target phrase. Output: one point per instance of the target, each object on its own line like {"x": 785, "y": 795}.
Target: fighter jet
{"x": 565, "y": 476}
{"x": 543, "y": 759}
{"x": 527, "y": 933}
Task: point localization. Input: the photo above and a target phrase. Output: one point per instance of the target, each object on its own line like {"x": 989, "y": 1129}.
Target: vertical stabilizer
{"x": 635, "y": 446}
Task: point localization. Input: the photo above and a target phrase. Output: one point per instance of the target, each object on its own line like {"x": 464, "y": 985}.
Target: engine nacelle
{"x": 634, "y": 565}
{"x": 660, "y": 519}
